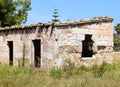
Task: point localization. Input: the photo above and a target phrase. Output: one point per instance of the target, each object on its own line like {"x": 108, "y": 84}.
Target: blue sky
{"x": 42, "y": 10}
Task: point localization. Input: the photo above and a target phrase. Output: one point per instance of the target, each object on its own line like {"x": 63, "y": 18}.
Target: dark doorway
{"x": 10, "y": 45}
{"x": 87, "y": 46}
{"x": 37, "y": 52}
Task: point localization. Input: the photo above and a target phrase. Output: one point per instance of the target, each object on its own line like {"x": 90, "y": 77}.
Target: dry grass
{"x": 116, "y": 57}
{"x": 77, "y": 77}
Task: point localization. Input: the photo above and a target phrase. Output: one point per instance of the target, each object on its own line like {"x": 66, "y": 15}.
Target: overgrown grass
{"x": 107, "y": 75}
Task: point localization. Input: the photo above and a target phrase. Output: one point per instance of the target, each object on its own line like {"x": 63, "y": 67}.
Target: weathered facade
{"x": 86, "y": 42}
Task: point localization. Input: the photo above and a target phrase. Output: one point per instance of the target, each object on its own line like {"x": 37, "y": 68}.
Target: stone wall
{"x": 24, "y": 38}
{"x": 70, "y": 42}
{"x": 58, "y": 42}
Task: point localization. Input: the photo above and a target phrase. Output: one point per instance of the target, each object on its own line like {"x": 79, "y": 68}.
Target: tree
{"x": 55, "y": 16}
{"x": 117, "y": 38}
{"x": 117, "y": 28}
{"x": 116, "y": 42}
{"x": 13, "y": 12}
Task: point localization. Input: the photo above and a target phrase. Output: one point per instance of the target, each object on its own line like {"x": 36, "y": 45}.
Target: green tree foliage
{"x": 117, "y": 38}
{"x": 116, "y": 42}
{"x": 55, "y": 16}
{"x": 117, "y": 28}
{"x": 13, "y": 12}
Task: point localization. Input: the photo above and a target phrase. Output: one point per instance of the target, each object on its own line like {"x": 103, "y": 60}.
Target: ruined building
{"x": 46, "y": 45}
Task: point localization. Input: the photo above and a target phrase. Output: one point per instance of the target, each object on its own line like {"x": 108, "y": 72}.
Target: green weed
{"x": 56, "y": 72}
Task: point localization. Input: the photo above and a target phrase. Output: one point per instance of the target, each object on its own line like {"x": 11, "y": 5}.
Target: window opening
{"x": 87, "y": 45}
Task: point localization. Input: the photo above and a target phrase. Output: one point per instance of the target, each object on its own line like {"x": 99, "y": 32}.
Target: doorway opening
{"x": 87, "y": 45}
{"x": 10, "y": 45}
{"x": 37, "y": 52}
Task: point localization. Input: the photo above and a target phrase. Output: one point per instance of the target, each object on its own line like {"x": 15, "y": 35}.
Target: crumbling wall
{"x": 70, "y": 42}
{"x": 23, "y": 45}
{"x": 58, "y": 42}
